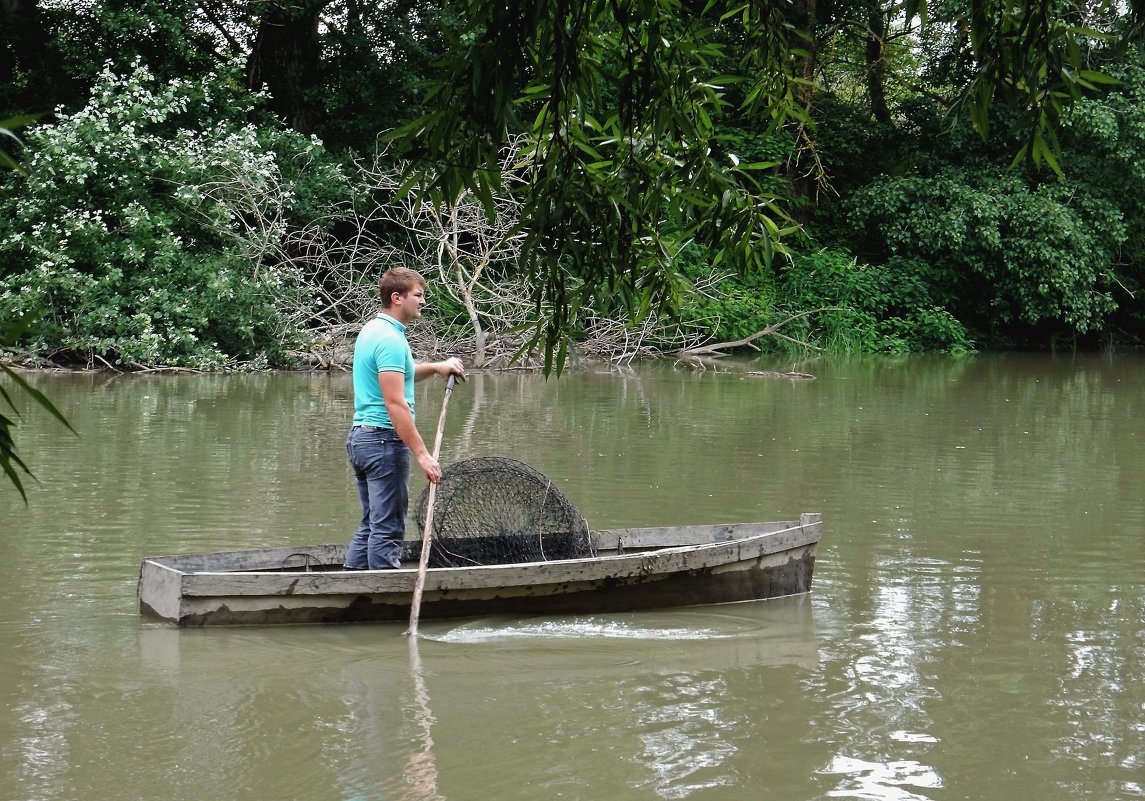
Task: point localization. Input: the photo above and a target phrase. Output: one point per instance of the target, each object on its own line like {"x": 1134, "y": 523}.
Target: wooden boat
{"x": 636, "y": 568}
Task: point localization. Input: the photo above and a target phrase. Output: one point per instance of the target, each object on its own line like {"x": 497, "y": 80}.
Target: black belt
{"x": 373, "y": 428}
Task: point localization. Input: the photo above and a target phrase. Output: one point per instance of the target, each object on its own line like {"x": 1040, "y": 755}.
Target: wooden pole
{"x": 426, "y": 535}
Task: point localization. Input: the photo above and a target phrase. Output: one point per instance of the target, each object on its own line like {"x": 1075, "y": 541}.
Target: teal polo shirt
{"x": 381, "y": 348}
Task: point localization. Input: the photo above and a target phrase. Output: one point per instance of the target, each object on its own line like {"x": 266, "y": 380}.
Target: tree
{"x": 639, "y": 114}
{"x": 620, "y": 101}
{"x": 1008, "y": 257}
{"x": 30, "y": 67}
{"x": 624, "y": 181}
{"x": 286, "y": 61}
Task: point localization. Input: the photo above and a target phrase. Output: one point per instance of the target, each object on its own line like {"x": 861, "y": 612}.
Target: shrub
{"x": 148, "y": 230}
{"x": 727, "y": 307}
{"x": 890, "y": 307}
{"x": 1013, "y": 255}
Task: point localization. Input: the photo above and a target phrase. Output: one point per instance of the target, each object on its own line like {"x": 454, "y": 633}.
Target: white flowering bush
{"x": 148, "y": 230}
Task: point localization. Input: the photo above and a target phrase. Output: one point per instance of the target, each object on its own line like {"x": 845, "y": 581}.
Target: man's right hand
{"x": 430, "y": 466}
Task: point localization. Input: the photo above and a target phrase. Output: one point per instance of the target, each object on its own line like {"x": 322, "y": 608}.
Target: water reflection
{"x": 649, "y": 703}
{"x": 882, "y": 781}
{"x": 683, "y": 723}
{"x": 43, "y": 748}
{"x": 419, "y": 777}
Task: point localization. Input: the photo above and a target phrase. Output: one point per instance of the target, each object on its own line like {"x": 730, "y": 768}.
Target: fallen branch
{"x": 790, "y": 376}
{"x": 771, "y": 330}
{"x": 142, "y": 368}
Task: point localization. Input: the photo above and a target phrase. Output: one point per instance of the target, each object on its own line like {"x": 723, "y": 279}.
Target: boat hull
{"x": 636, "y": 569}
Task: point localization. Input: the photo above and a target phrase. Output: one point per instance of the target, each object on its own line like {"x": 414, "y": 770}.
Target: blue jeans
{"x": 381, "y": 463}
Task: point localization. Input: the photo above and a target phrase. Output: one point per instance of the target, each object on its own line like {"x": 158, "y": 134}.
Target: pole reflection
{"x": 419, "y": 773}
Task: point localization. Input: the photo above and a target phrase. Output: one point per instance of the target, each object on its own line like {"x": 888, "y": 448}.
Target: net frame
{"x": 491, "y": 510}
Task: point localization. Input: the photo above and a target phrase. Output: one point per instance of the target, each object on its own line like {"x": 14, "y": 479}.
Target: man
{"x": 383, "y": 434}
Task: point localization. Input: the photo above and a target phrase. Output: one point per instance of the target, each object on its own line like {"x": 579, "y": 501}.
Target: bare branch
{"x": 211, "y": 13}
{"x": 771, "y": 330}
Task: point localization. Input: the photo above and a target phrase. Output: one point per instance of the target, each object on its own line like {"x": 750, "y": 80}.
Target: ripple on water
{"x": 770, "y": 633}
{"x": 884, "y": 781}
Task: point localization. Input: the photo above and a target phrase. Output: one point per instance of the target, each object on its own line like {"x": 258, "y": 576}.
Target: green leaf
{"x": 10, "y": 461}
{"x": 10, "y": 163}
{"x": 915, "y": 8}
{"x": 1095, "y": 77}
{"x": 35, "y": 394}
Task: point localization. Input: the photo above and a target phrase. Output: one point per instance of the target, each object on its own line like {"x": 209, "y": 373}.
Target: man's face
{"x": 407, "y": 308}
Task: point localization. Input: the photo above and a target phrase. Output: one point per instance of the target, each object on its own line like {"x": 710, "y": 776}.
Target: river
{"x": 976, "y": 627}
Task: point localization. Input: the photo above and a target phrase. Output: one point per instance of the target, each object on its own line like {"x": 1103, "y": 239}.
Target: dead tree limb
{"x": 748, "y": 342}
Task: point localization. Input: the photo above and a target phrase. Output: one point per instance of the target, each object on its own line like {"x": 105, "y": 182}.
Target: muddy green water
{"x": 976, "y": 628}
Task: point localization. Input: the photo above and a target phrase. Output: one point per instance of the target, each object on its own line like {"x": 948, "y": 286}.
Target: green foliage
{"x": 852, "y": 146}
{"x": 622, "y": 101}
{"x": 123, "y": 32}
{"x": 1004, "y": 255}
{"x": 889, "y": 307}
{"x": 733, "y": 308}
{"x": 828, "y": 299}
{"x": 146, "y": 231}
{"x": 1032, "y": 59}
{"x": 1104, "y": 142}
{"x": 1023, "y": 257}
{"x": 657, "y": 127}
{"x": 59, "y": 49}
{"x": 373, "y": 69}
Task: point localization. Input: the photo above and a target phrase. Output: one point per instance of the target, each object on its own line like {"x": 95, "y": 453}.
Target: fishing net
{"x": 493, "y": 510}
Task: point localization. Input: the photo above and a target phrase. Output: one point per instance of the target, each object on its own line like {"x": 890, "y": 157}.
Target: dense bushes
{"x": 826, "y": 298}
{"x": 1000, "y": 255}
{"x": 146, "y": 229}
{"x": 887, "y": 307}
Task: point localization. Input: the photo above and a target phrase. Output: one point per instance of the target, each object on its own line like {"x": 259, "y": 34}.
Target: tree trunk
{"x": 803, "y": 170}
{"x": 286, "y": 60}
{"x": 877, "y": 63}
{"x": 27, "y": 70}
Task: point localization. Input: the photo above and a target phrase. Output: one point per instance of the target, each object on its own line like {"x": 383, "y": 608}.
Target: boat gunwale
{"x": 780, "y": 536}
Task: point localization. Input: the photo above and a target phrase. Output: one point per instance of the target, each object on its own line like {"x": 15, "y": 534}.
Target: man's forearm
{"x": 406, "y": 428}
{"x": 443, "y": 369}
{"x": 426, "y": 369}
